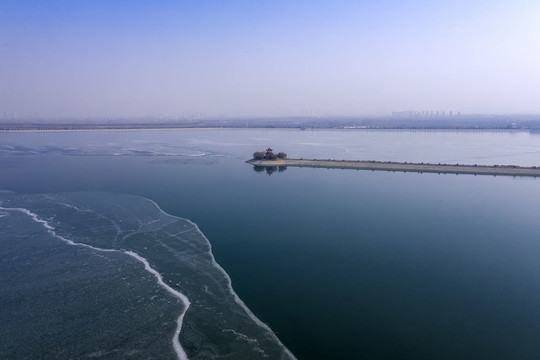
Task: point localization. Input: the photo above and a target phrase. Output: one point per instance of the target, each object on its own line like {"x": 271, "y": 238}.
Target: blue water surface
{"x": 339, "y": 263}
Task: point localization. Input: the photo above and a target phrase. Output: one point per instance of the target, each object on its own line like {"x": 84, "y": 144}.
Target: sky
{"x": 134, "y": 58}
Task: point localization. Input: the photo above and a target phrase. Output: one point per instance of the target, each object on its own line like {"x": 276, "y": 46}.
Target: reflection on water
{"x": 269, "y": 169}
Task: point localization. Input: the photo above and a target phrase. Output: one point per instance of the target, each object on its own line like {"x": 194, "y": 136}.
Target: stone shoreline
{"x": 507, "y": 170}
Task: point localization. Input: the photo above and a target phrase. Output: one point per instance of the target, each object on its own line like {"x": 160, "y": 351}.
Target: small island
{"x": 273, "y": 161}
{"x": 268, "y": 159}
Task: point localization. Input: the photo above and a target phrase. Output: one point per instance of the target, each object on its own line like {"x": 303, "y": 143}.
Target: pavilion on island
{"x": 269, "y": 154}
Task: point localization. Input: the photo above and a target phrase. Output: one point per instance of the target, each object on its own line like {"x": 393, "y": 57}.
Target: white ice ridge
{"x": 176, "y": 342}
{"x": 229, "y": 284}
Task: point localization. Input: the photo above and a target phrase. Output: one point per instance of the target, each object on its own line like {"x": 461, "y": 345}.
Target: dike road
{"x": 507, "y": 170}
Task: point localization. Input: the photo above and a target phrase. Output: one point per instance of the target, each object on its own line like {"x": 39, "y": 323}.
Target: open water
{"x": 124, "y": 245}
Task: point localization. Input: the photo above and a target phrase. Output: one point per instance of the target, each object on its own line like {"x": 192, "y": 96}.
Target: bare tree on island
{"x": 258, "y": 155}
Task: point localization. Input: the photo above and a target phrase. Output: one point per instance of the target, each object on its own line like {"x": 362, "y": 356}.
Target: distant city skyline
{"x": 138, "y": 58}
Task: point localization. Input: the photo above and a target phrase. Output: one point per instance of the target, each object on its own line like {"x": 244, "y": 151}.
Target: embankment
{"x": 508, "y": 170}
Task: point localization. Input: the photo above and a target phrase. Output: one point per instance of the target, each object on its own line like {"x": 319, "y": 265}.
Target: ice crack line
{"x": 237, "y": 299}
{"x": 181, "y": 354}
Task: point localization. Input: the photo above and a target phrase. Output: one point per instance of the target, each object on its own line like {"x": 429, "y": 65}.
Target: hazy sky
{"x": 138, "y": 58}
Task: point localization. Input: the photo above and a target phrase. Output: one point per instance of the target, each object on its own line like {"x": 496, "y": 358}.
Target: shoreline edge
{"x": 506, "y": 170}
